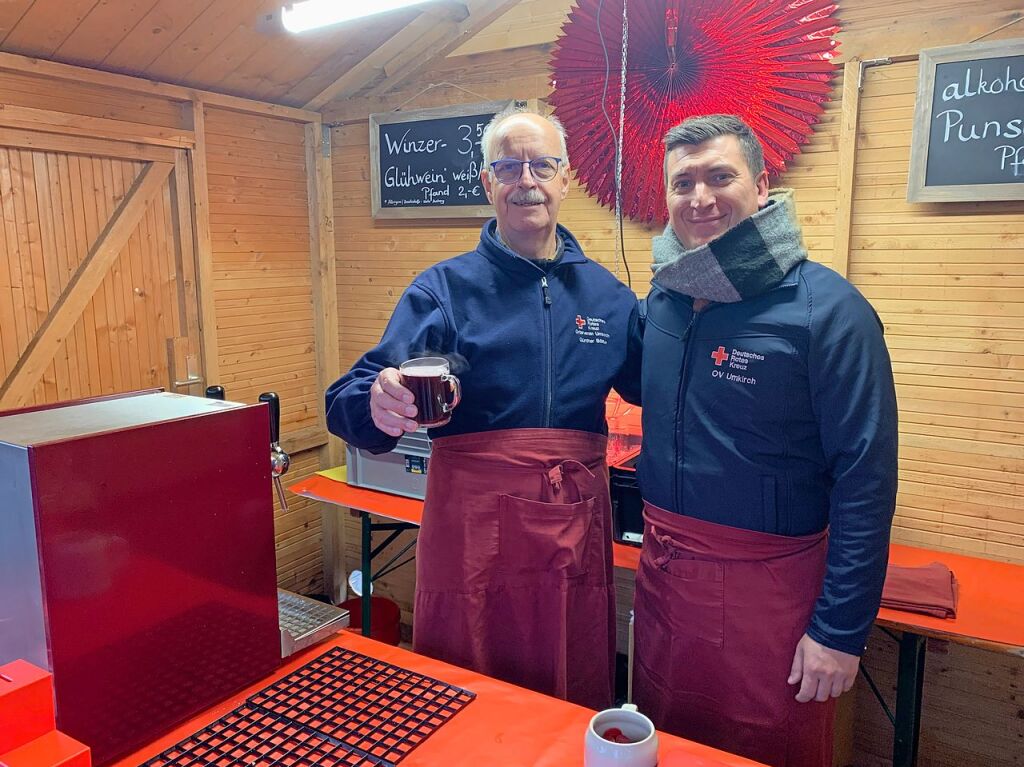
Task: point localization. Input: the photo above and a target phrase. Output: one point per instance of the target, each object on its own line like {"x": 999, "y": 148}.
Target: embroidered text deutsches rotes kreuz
{"x": 591, "y": 330}
{"x": 732, "y": 365}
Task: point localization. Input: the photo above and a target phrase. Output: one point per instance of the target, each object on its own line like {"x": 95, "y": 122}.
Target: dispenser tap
{"x": 279, "y": 459}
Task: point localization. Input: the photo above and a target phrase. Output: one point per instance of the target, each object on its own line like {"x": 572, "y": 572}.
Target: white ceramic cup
{"x": 642, "y": 752}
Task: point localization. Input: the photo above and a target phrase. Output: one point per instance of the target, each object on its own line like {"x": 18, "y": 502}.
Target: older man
{"x": 513, "y": 574}
{"x": 768, "y": 464}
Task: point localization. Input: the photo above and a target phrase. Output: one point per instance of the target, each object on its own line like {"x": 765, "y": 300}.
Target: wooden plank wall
{"x": 259, "y": 232}
{"x": 946, "y": 280}
{"x": 261, "y": 274}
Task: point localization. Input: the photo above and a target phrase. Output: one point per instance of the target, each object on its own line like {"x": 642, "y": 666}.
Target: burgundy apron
{"x": 718, "y": 615}
{"x": 514, "y": 561}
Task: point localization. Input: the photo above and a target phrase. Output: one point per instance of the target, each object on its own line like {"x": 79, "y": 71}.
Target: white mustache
{"x": 526, "y": 196}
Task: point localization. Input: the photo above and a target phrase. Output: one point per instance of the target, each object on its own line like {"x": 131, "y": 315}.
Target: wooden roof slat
{"x": 431, "y": 35}
{"x": 153, "y": 35}
{"x": 10, "y": 14}
{"x": 232, "y": 60}
{"x": 371, "y": 67}
{"x": 482, "y": 13}
{"x": 100, "y": 30}
{"x": 201, "y": 38}
{"x": 45, "y": 25}
{"x": 269, "y": 63}
{"x": 241, "y": 47}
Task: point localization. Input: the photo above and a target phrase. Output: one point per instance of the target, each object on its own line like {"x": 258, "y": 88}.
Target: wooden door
{"x": 97, "y": 270}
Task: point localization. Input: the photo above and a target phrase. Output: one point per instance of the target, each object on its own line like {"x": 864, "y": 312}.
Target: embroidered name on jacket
{"x": 733, "y": 365}
{"x": 591, "y": 330}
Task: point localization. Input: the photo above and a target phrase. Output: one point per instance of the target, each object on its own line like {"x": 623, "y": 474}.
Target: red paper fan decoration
{"x": 768, "y": 61}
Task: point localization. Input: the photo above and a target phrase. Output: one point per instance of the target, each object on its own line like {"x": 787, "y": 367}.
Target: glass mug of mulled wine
{"x": 436, "y": 392}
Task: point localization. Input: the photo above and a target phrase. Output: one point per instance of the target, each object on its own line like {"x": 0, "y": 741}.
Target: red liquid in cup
{"x": 615, "y": 735}
{"x": 431, "y": 394}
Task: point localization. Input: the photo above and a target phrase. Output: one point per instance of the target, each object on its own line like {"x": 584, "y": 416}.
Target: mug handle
{"x": 456, "y": 389}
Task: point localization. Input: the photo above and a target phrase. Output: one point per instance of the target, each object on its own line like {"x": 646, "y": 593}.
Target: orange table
{"x": 505, "y": 725}
{"x": 990, "y": 612}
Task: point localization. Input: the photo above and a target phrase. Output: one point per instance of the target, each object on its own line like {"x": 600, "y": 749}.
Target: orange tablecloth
{"x": 504, "y": 726}
{"x": 990, "y": 612}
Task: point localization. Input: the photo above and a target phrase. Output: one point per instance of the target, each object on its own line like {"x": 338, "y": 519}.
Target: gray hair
{"x": 697, "y": 130}
{"x": 512, "y": 110}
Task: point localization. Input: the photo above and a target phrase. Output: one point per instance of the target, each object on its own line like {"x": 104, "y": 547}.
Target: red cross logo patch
{"x": 720, "y": 355}
{"x": 580, "y": 322}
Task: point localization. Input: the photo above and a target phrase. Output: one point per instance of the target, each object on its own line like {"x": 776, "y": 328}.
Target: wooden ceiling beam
{"x": 481, "y": 14}
{"x": 12, "y": 62}
{"x": 371, "y": 68}
{"x": 432, "y": 35}
{"x": 469, "y": 72}
{"x": 67, "y": 124}
{"x": 41, "y": 141}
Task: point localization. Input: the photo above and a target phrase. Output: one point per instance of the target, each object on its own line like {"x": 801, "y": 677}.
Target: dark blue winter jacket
{"x": 531, "y": 347}
{"x": 778, "y": 414}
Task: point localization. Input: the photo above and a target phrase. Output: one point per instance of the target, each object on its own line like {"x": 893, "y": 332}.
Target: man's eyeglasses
{"x": 509, "y": 171}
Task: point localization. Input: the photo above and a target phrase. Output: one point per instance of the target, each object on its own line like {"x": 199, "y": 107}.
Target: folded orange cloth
{"x": 931, "y": 590}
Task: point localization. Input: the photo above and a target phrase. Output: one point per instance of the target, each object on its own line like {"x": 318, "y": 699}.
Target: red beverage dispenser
{"x": 137, "y": 558}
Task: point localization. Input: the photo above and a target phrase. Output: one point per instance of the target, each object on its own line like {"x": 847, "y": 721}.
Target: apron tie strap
{"x": 672, "y": 548}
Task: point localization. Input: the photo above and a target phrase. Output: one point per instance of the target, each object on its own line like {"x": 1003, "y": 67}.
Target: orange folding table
{"x": 990, "y": 612}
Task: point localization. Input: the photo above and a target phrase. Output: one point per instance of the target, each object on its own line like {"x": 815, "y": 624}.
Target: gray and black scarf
{"x": 746, "y": 261}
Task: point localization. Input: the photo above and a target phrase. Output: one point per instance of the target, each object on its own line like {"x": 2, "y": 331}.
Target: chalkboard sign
{"x": 968, "y": 141}
{"x": 426, "y": 163}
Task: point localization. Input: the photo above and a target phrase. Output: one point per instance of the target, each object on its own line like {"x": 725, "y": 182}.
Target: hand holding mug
{"x": 436, "y": 392}
{"x": 392, "y": 406}
{"x": 422, "y": 393}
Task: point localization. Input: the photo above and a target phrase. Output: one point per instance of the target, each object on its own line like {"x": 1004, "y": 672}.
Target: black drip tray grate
{"x": 342, "y": 708}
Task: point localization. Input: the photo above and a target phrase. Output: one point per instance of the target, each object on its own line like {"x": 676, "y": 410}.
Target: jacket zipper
{"x": 681, "y": 409}
{"x": 546, "y": 420}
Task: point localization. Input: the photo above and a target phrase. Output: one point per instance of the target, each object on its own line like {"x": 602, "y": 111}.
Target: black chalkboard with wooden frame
{"x": 426, "y": 163}
{"x": 968, "y": 140}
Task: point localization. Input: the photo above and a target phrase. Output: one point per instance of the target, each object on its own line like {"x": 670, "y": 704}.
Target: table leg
{"x": 909, "y": 684}
{"x": 367, "y": 555}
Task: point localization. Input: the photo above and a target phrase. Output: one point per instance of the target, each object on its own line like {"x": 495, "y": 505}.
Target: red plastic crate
{"x": 28, "y": 734}
{"x": 26, "y": 704}
{"x": 54, "y": 749}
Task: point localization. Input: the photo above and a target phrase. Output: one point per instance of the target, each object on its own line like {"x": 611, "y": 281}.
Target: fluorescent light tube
{"x": 313, "y": 14}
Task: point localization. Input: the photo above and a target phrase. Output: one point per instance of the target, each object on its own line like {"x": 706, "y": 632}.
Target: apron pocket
{"x": 543, "y": 538}
{"x": 699, "y": 584}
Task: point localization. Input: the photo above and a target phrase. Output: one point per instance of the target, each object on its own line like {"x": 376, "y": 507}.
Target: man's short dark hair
{"x": 697, "y": 130}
